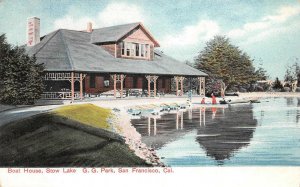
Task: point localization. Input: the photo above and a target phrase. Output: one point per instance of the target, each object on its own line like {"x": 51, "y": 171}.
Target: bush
{"x": 20, "y": 77}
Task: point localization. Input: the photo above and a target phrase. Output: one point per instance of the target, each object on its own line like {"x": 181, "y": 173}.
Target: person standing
{"x": 213, "y": 99}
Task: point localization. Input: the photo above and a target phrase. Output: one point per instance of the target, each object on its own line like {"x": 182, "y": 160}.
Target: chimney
{"x": 33, "y": 31}
{"x": 89, "y": 27}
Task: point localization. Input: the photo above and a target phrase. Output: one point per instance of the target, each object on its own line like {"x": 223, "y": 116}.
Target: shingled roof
{"x": 69, "y": 50}
{"x": 116, "y": 33}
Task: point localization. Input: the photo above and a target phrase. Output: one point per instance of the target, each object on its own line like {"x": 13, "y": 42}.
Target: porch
{"x": 80, "y": 85}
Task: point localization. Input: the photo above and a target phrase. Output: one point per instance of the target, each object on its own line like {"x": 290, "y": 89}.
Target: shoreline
{"x": 127, "y": 103}
{"x": 121, "y": 124}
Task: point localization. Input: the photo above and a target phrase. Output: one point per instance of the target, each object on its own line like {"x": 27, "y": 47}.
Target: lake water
{"x": 260, "y": 134}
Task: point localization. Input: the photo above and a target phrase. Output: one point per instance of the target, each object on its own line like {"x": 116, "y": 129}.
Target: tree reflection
{"x": 225, "y": 135}
{"x": 220, "y": 132}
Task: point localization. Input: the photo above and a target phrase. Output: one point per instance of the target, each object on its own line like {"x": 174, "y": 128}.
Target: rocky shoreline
{"x": 121, "y": 124}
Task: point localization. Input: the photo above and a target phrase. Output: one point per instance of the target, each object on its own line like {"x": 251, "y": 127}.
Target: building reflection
{"x": 223, "y": 136}
{"x": 298, "y": 111}
{"x": 220, "y": 132}
{"x": 202, "y": 116}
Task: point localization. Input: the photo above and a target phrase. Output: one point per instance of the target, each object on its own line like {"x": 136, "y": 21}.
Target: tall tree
{"x": 225, "y": 64}
{"x": 277, "y": 85}
{"x": 292, "y": 72}
{"x": 20, "y": 77}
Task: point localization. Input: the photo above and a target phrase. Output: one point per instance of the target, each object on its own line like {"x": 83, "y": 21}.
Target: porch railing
{"x": 59, "y": 95}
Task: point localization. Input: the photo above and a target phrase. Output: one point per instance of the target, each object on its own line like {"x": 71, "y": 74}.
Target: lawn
{"x": 87, "y": 114}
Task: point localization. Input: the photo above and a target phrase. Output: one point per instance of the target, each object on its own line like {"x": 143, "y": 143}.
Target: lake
{"x": 259, "y": 134}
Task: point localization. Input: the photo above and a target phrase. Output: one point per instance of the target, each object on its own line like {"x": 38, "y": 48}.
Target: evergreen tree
{"x": 277, "y": 85}
{"x": 20, "y": 77}
{"x": 225, "y": 64}
{"x": 292, "y": 72}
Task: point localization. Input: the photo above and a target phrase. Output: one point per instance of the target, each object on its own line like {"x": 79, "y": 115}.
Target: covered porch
{"x": 80, "y": 85}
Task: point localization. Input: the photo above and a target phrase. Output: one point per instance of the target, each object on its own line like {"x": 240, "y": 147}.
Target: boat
{"x": 223, "y": 102}
{"x": 240, "y": 101}
{"x": 134, "y": 112}
{"x": 254, "y": 101}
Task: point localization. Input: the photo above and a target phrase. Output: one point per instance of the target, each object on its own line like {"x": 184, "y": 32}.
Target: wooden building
{"x": 112, "y": 60}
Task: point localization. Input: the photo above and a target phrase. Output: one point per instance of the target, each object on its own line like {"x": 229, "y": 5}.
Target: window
{"x": 92, "y": 81}
{"x": 123, "y": 48}
{"x": 127, "y": 46}
{"x": 146, "y": 50}
{"x": 135, "y": 49}
{"x": 142, "y": 50}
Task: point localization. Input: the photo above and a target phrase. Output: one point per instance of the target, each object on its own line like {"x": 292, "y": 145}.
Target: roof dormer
{"x": 126, "y": 41}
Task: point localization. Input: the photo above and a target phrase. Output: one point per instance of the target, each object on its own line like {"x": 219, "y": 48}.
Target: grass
{"x": 87, "y": 114}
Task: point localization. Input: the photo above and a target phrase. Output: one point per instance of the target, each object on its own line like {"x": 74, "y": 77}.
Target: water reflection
{"x": 220, "y": 131}
{"x": 223, "y": 136}
{"x": 298, "y": 111}
{"x": 229, "y": 136}
{"x": 289, "y": 101}
{"x": 202, "y": 116}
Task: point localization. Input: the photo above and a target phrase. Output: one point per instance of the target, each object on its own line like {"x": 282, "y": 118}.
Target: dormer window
{"x": 130, "y": 49}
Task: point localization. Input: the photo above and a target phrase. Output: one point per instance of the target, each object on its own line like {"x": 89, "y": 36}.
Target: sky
{"x": 268, "y": 30}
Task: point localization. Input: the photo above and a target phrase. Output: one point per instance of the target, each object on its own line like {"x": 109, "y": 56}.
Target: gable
{"x": 138, "y": 36}
{"x": 118, "y": 33}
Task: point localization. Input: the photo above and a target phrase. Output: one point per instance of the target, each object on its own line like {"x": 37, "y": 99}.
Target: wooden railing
{"x": 59, "y": 95}
{"x": 62, "y": 76}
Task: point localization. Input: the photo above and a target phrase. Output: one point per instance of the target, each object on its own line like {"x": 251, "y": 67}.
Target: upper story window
{"x": 130, "y": 49}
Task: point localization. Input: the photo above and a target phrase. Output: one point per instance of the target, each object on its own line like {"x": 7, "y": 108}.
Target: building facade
{"x": 114, "y": 61}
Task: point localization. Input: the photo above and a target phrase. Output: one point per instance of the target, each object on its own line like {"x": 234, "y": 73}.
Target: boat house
{"x": 116, "y": 61}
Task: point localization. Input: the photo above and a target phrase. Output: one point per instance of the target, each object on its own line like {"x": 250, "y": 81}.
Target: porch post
{"x": 149, "y": 82}
{"x": 72, "y": 87}
{"x": 181, "y": 86}
{"x": 154, "y": 82}
{"x": 115, "y": 85}
{"x": 200, "y": 85}
{"x": 81, "y": 87}
{"x": 203, "y": 86}
{"x": 176, "y": 79}
{"x": 122, "y": 79}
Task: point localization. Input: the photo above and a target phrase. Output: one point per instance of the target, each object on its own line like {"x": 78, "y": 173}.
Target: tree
{"x": 292, "y": 72}
{"x": 225, "y": 64}
{"x": 20, "y": 77}
{"x": 277, "y": 85}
